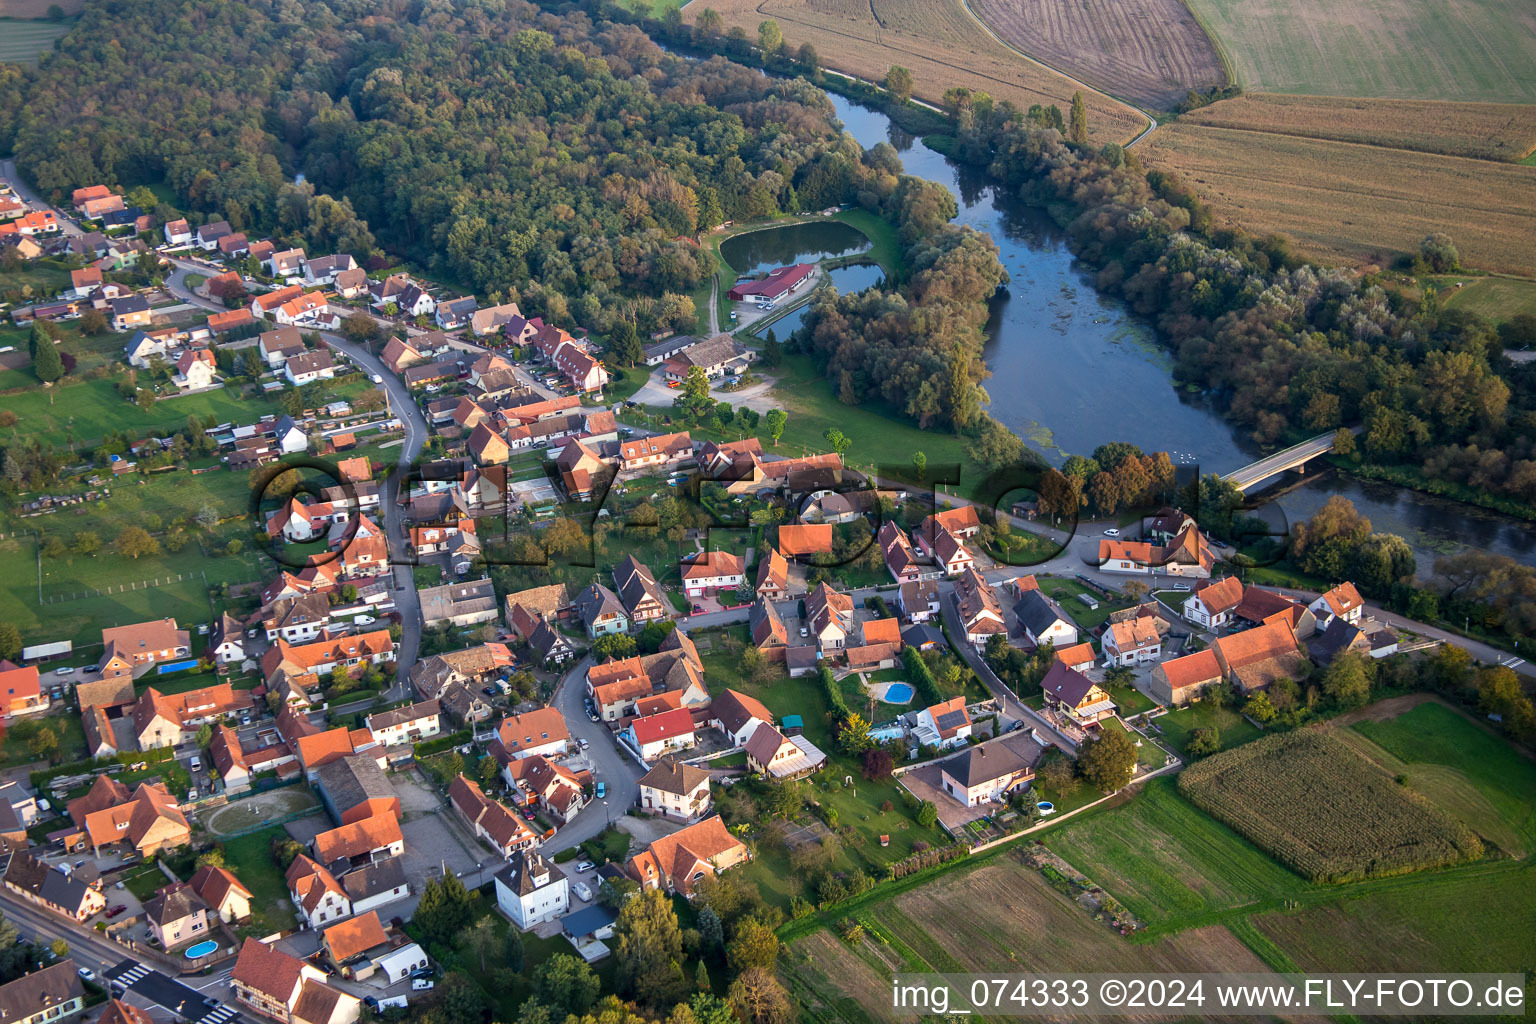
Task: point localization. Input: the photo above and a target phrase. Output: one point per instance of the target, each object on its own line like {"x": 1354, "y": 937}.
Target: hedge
{"x": 834, "y": 695}
{"x": 442, "y": 743}
{"x": 921, "y": 679}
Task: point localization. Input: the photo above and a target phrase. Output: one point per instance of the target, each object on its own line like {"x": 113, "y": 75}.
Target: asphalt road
{"x": 610, "y": 765}
{"x": 407, "y": 601}
{"x": 23, "y": 191}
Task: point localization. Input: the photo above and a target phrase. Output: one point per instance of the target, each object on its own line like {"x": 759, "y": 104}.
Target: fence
{"x": 121, "y": 588}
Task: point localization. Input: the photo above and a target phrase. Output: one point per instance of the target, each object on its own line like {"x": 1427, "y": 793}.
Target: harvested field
{"x": 24, "y": 42}
{"x": 937, "y": 40}
{"x": 1345, "y": 203}
{"x": 1487, "y": 131}
{"x": 1325, "y": 811}
{"x": 1149, "y": 51}
{"x": 1409, "y": 49}
{"x": 37, "y": 8}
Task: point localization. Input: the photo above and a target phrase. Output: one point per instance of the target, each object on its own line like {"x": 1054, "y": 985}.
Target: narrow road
{"x": 24, "y": 192}
{"x": 610, "y": 765}
{"x": 403, "y": 406}
{"x": 714, "y": 305}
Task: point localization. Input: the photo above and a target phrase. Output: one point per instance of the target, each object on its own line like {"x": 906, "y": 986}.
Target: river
{"x": 1072, "y": 369}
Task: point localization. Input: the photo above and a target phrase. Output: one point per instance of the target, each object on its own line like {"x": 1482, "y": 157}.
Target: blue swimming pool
{"x": 898, "y": 693}
{"x": 201, "y": 950}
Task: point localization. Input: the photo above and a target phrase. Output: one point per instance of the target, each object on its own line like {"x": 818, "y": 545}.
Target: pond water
{"x": 809, "y": 242}
{"x": 1072, "y": 369}
{"x": 854, "y": 277}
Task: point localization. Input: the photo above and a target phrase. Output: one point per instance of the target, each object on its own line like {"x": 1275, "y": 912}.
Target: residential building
{"x": 178, "y": 232}
{"x": 280, "y": 345}
{"x": 1256, "y": 657}
{"x": 48, "y": 994}
{"x": 1073, "y": 695}
{"x": 803, "y": 541}
{"x": 360, "y": 842}
{"x": 678, "y": 862}
{"x": 601, "y": 611}
{"x": 770, "y": 752}
{"x": 146, "y": 820}
{"x": 1043, "y": 621}
{"x": 129, "y": 312}
{"x": 639, "y": 592}
{"x": 1179, "y": 681}
{"x": 663, "y": 449}
{"x": 455, "y": 313}
{"x": 1131, "y": 642}
{"x": 492, "y": 821}
{"x": 992, "y": 771}
{"x": 316, "y": 892}
{"x": 226, "y": 897}
{"x": 532, "y": 889}
{"x": 769, "y": 634}
{"x": 1213, "y": 603}
{"x": 50, "y": 888}
{"x": 328, "y": 269}
{"x": 829, "y": 616}
{"x": 354, "y": 787}
{"x": 1340, "y": 638}
{"x": 943, "y": 725}
{"x": 308, "y": 367}
{"x": 900, "y": 559}
{"x": 772, "y": 576}
{"x": 675, "y": 790}
{"x": 465, "y": 603}
{"x": 409, "y": 724}
{"x": 376, "y": 885}
{"x": 980, "y": 614}
{"x": 176, "y": 915}
{"x": 161, "y": 720}
{"x": 21, "y": 689}
{"x": 325, "y": 654}
{"x": 711, "y": 571}
{"x": 655, "y": 735}
{"x": 350, "y": 945}
{"x": 491, "y": 319}
{"x": 541, "y": 732}
{"x": 1342, "y": 601}
{"x": 281, "y": 987}
{"x": 919, "y": 600}
{"x": 738, "y": 716}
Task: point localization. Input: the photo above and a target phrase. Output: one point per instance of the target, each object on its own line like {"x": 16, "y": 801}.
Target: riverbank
{"x": 1408, "y": 477}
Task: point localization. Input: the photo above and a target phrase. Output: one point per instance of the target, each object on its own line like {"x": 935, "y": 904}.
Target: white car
{"x": 585, "y": 744}
{"x": 422, "y": 984}
{"x": 196, "y": 764}
{"x": 583, "y": 891}
{"x": 378, "y": 379}
{"x": 584, "y": 865}
{"x": 363, "y": 620}
{"x": 65, "y": 671}
{"x": 1111, "y": 533}
{"x": 87, "y": 973}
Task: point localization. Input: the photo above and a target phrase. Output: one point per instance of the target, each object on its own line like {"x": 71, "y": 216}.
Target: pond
{"x": 754, "y": 252}
{"x": 1073, "y": 369}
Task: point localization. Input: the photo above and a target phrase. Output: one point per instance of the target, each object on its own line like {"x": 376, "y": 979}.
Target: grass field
{"x": 937, "y": 40}
{"x": 1340, "y": 202}
{"x": 1464, "y": 769}
{"x": 250, "y": 858}
{"x": 1168, "y": 861}
{"x": 1497, "y": 298}
{"x": 1150, "y": 52}
{"x": 1324, "y": 810}
{"x": 1410, "y": 49}
{"x": 82, "y": 411}
{"x": 23, "y": 42}
{"x": 1177, "y": 725}
{"x": 1487, "y": 131}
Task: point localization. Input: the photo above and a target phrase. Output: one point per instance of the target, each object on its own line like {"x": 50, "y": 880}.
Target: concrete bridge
{"x": 1295, "y": 457}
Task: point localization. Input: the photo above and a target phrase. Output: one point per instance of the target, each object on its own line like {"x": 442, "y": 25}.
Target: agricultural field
{"x": 1325, "y": 811}
{"x": 1409, "y": 49}
{"x": 1497, "y": 298}
{"x": 1345, "y": 203}
{"x": 38, "y": 8}
{"x": 1150, "y": 52}
{"x": 81, "y": 412}
{"x": 1013, "y": 921}
{"x": 24, "y": 42}
{"x": 937, "y": 40}
{"x": 1486, "y": 131}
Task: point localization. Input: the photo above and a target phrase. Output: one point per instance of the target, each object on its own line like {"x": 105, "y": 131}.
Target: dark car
{"x": 424, "y": 972}
{"x": 116, "y": 910}
{"x": 489, "y": 691}
{"x": 528, "y": 813}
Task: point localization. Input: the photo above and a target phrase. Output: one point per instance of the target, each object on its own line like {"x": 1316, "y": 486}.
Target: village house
{"x": 980, "y": 614}
{"x": 918, "y": 600}
{"x": 1179, "y": 681}
{"x": 275, "y": 985}
{"x": 829, "y": 616}
{"x": 130, "y": 311}
{"x": 327, "y": 269}
{"x": 406, "y": 725}
{"x": 353, "y": 787}
{"x": 1070, "y": 693}
{"x": 308, "y": 367}
{"x": 490, "y": 820}
{"x": 712, "y": 571}
{"x": 146, "y": 820}
{"x": 771, "y": 753}
{"x": 532, "y": 889}
{"x": 316, "y": 892}
{"x": 654, "y": 735}
{"x": 616, "y": 686}
{"x": 802, "y": 541}
{"x": 21, "y": 689}
{"x": 678, "y": 862}
{"x": 772, "y": 576}
{"x": 769, "y": 634}
{"x": 131, "y": 650}
{"x": 601, "y": 611}
{"x": 943, "y": 725}
{"x": 541, "y": 732}
{"x": 992, "y": 771}
{"x": 675, "y": 790}
{"x": 716, "y": 356}
{"x": 663, "y": 449}
{"x": 900, "y": 559}
{"x": 467, "y": 603}
{"x": 177, "y": 915}
{"x": 48, "y": 994}
{"x": 1213, "y": 603}
{"x": 639, "y": 592}
{"x": 376, "y": 885}
{"x": 323, "y": 655}
{"x": 178, "y": 232}
{"x": 1131, "y": 642}
{"x": 161, "y": 720}
{"x": 1254, "y": 658}
{"x": 1342, "y": 601}
{"x": 195, "y": 369}
{"x": 1043, "y": 621}
{"x": 51, "y": 888}
{"x": 360, "y": 842}
{"x": 279, "y": 345}
{"x": 350, "y": 946}
{"x": 227, "y": 899}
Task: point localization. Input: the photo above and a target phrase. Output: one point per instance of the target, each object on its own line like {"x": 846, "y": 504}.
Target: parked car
{"x": 196, "y": 764}
{"x": 422, "y": 984}
{"x": 602, "y": 790}
{"x": 363, "y": 620}
{"x": 489, "y": 691}
{"x": 804, "y": 632}
{"x": 116, "y": 910}
{"x": 674, "y": 384}
{"x": 87, "y": 973}
{"x": 585, "y": 744}
{"x": 1111, "y": 533}
{"x": 528, "y": 813}
{"x": 1179, "y": 586}
{"x": 584, "y": 891}
{"x": 65, "y": 671}
{"x": 378, "y": 379}
{"x": 584, "y": 865}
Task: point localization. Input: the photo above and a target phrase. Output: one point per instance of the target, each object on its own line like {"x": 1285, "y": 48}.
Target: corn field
{"x": 1324, "y": 811}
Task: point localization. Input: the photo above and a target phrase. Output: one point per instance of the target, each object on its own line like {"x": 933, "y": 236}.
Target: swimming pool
{"x": 201, "y": 950}
{"x": 898, "y": 693}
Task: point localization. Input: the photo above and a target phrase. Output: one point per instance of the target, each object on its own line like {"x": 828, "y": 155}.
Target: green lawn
{"x": 250, "y": 858}
{"x": 46, "y": 276}
{"x": 144, "y": 882}
{"x": 1130, "y": 701}
{"x": 1444, "y": 753}
{"x": 81, "y": 412}
{"x": 1409, "y": 49}
{"x": 1497, "y": 298}
{"x": 1167, "y": 860}
{"x": 1065, "y": 592}
{"x": 14, "y": 749}
{"x": 1177, "y": 725}
{"x": 626, "y": 382}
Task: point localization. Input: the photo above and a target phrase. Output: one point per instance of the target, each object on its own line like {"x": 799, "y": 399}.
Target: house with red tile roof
{"x": 227, "y": 898}
{"x": 1178, "y": 681}
{"x": 772, "y": 576}
{"x": 275, "y": 985}
{"x": 1213, "y": 603}
{"x": 802, "y": 540}
{"x": 129, "y": 650}
{"x": 1342, "y": 602}
{"x": 316, "y": 892}
{"x": 659, "y": 734}
{"x": 360, "y": 842}
{"x": 711, "y": 571}
{"x": 495, "y": 823}
{"x": 21, "y": 689}
{"x": 678, "y": 862}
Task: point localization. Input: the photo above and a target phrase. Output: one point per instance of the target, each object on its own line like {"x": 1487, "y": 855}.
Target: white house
{"x": 943, "y": 725}
{"x": 1132, "y": 642}
{"x": 658, "y": 734}
{"x": 531, "y": 890}
{"x": 1343, "y": 602}
{"x": 991, "y": 771}
{"x": 194, "y": 369}
{"x": 398, "y": 964}
{"x": 177, "y": 232}
{"x": 410, "y": 724}
{"x": 288, "y": 435}
{"x": 309, "y": 367}
{"x": 1213, "y": 602}
{"x": 1043, "y": 622}
{"x": 675, "y": 790}
{"x": 713, "y": 570}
